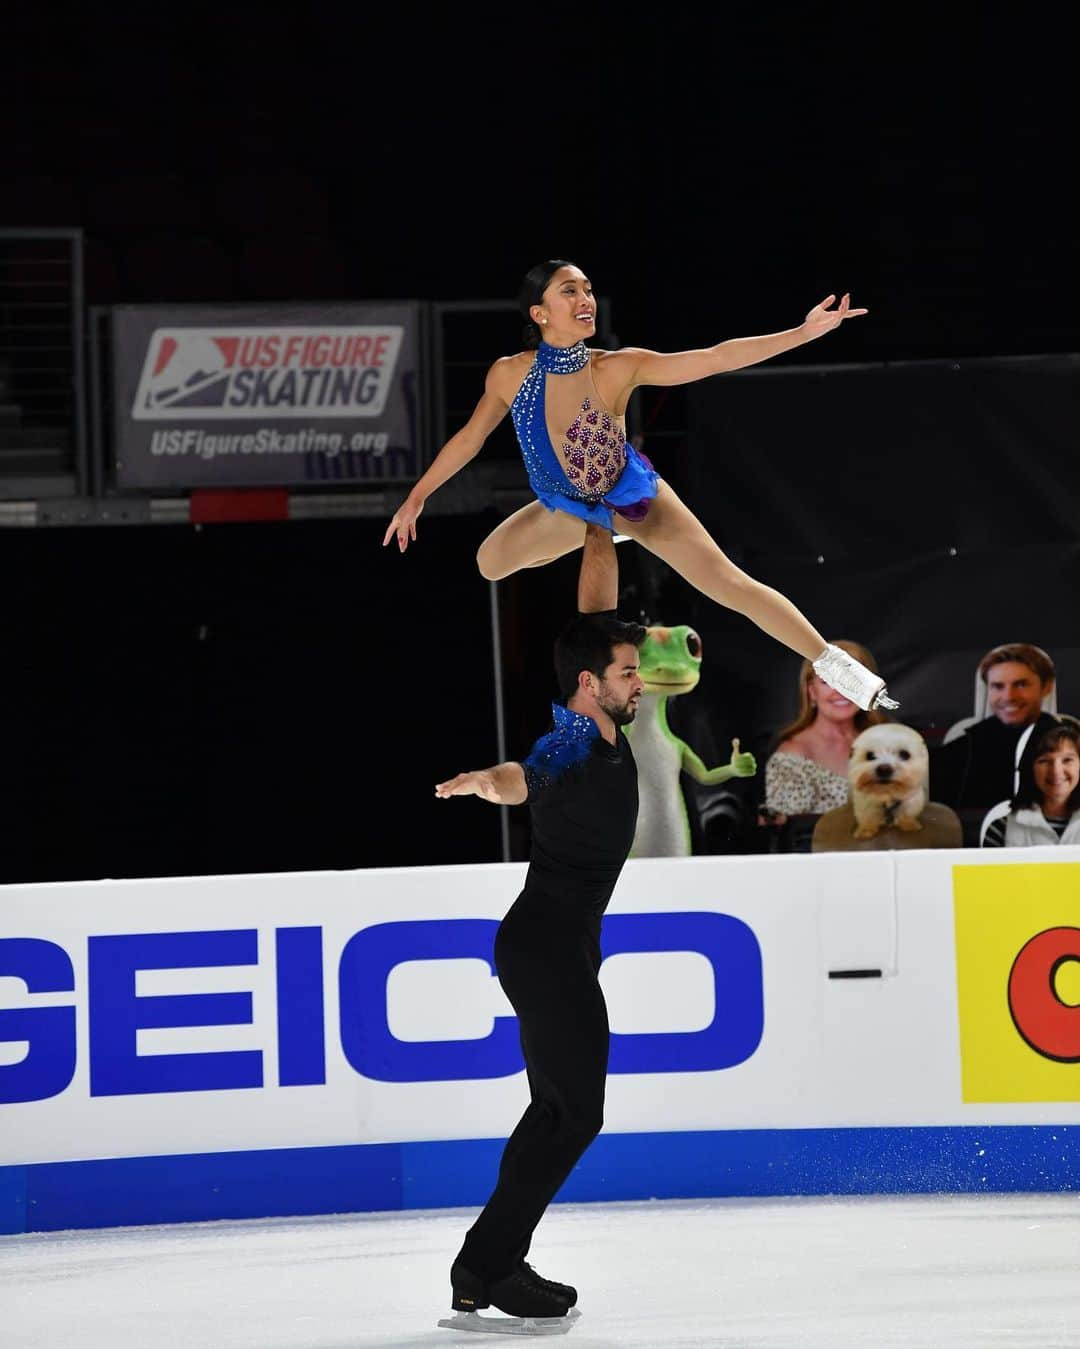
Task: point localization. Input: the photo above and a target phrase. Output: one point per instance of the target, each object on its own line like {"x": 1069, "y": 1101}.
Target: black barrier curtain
{"x": 887, "y": 461}
{"x": 927, "y": 619}
{"x": 927, "y": 510}
{"x": 242, "y": 698}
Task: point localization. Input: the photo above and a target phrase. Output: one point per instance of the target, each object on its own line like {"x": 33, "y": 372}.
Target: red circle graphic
{"x": 1051, "y": 1027}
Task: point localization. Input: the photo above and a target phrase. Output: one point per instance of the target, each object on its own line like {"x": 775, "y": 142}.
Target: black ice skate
{"x": 564, "y": 1290}
{"x": 534, "y": 1306}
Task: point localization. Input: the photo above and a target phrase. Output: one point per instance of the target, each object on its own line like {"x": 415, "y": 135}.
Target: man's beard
{"x": 622, "y": 714}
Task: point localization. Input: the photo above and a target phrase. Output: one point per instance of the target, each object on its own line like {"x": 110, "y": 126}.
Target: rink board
{"x": 244, "y": 1046}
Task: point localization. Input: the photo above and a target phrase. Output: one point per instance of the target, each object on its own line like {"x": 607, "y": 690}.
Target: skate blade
{"x": 511, "y": 1325}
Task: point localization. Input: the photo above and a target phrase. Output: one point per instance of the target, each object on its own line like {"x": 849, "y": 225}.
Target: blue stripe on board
{"x": 285, "y": 1182}
{"x": 13, "y": 1216}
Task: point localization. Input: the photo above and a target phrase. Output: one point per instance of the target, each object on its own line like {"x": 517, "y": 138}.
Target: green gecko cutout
{"x": 670, "y": 665}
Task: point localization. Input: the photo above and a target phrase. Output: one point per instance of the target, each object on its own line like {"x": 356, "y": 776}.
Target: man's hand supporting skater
{"x": 598, "y": 580}
{"x": 598, "y": 592}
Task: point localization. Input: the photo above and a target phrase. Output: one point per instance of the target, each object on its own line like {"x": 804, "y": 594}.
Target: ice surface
{"x": 922, "y": 1272}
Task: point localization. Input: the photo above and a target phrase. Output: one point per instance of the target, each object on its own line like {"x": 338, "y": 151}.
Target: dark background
{"x": 262, "y": 697}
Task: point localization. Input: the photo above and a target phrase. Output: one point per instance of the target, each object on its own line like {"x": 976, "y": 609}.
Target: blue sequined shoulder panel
{"x": 569, "y": 743}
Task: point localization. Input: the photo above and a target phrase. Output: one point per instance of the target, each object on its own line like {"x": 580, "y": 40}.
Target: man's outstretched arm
{"x": 503, "y": 785}
{"x": 598, "y": 580}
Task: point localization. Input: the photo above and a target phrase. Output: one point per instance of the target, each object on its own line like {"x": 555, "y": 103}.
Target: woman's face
{"x": 832, "y": 706}
{"x": 568, "y": 311}
{"x": 1057, "y": 772}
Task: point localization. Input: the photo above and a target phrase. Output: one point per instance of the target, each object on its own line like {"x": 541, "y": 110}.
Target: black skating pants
{"x": 547, "y": 964}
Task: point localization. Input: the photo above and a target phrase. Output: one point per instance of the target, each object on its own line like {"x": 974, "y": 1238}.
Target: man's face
{"x": 620, "y": 688}
{"x": 1015, "y": 693}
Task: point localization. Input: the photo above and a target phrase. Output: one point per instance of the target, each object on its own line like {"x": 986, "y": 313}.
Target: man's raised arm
{"x": 598, "y": 580}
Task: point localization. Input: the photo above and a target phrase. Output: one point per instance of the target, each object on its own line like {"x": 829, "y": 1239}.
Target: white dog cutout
{"x": 887, "y": 772}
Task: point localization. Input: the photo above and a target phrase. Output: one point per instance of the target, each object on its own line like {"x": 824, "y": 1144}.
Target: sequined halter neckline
{"x": 562, "y": 360}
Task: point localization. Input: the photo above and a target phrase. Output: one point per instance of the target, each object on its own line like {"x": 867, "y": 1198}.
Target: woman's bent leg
{"x": 674, "y": 533}
{"x": 530, "y": 537}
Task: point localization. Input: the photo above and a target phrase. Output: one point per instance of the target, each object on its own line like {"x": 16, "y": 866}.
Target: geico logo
{"x": 116, "y": 1012}
{"x": 1049, "y": 1024}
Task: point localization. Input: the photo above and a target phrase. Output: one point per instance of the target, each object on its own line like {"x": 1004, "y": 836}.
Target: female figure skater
{"x": 568, "y": 405}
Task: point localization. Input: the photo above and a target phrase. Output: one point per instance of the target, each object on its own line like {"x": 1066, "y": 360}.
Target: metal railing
{"x": 42, "y": 385}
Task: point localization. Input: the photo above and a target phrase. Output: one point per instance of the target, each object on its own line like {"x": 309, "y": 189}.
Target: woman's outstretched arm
{"x": 683, "y": 367}
{"x": 463, "y": 446}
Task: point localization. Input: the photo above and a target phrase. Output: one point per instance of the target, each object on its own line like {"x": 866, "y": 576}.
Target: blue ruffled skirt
{"x": 630, "y": 497}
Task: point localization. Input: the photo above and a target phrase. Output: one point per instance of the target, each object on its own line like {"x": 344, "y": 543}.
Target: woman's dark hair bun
{"x": 531, "y": 291}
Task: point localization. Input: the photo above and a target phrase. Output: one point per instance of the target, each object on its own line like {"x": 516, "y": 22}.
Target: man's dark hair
{"x": 1027, "y": 793}
{"x": 1021, "y": 653}
{"x": 588, "y": 643}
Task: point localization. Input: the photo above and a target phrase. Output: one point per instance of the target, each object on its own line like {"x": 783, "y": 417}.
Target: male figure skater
{"x": 580, "y": 783}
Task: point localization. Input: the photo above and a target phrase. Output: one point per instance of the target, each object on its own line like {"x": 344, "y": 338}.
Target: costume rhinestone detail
{"x": 562, "y": 360}
{"x": 554, "y": 754}
{"x": 593, "y": 453}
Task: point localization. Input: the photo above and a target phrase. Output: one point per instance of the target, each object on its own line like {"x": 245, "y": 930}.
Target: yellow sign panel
{"x": 1018, "y": 980}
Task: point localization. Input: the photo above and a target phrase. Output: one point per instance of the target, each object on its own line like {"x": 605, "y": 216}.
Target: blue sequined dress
{"x": 595, "y": 471}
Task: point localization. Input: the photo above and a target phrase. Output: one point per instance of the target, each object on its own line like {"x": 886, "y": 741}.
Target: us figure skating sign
{"x": 324, "y": 371}
{"x": 245, "y": 396}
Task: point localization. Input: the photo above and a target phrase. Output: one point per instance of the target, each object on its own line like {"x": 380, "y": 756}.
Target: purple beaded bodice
{"x": 594, "y": 451}
{"x": 594, "y": 471}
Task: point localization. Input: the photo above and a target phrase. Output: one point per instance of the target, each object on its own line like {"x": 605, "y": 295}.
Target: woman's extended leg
{"x": 530, "y": 537}
{"x": 674, "y": 533}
